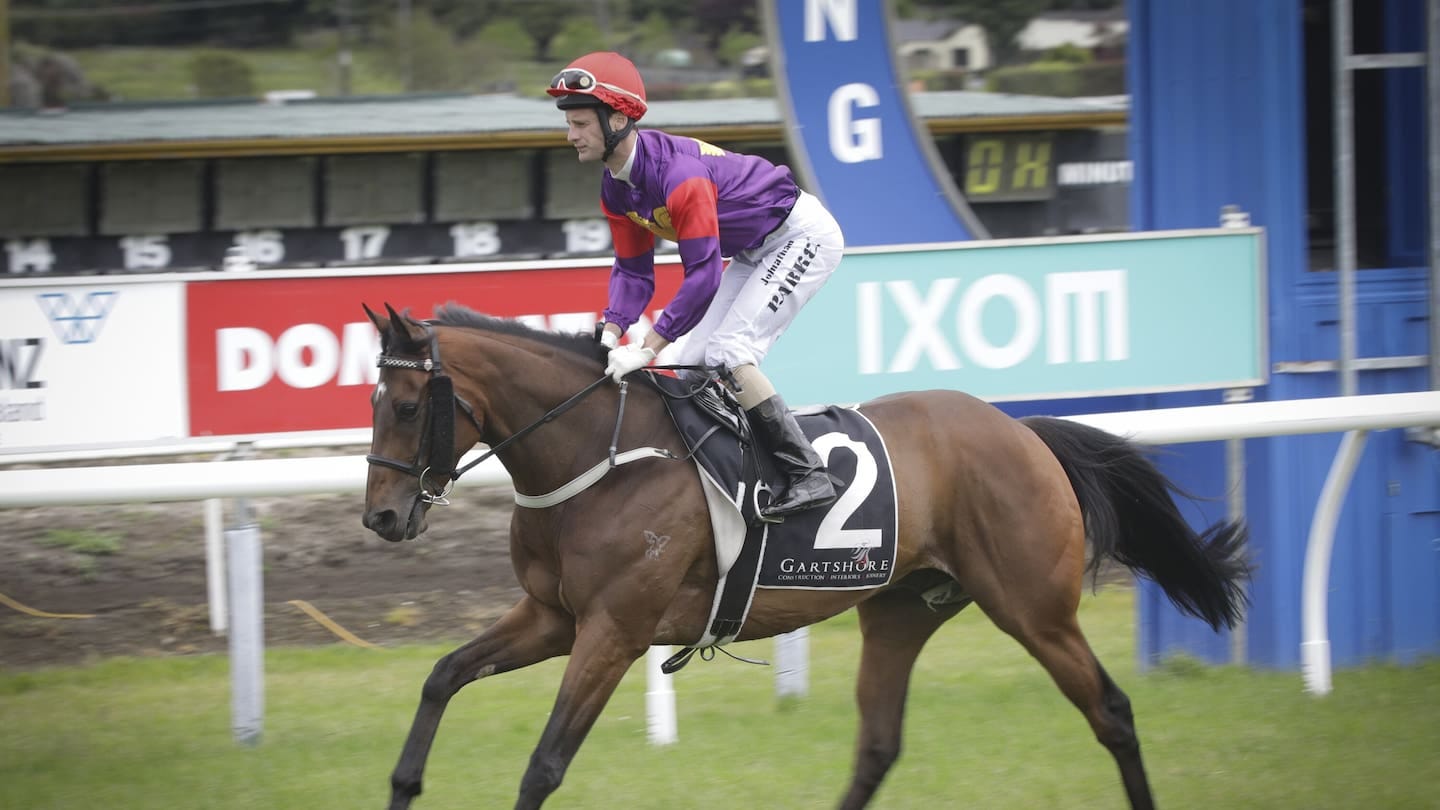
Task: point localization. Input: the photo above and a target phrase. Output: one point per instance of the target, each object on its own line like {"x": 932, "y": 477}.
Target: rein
{"x": 614, "y": 459}
{"x": 437, "y": 445}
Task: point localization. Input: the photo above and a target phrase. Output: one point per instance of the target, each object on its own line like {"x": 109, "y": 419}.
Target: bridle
{"x": 437, "y": 437}
{"x": 437, "y": 440}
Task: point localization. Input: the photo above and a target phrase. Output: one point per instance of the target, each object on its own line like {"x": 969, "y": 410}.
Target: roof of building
{"x": 924, "y": 30}
{"x": 456, "y": 121}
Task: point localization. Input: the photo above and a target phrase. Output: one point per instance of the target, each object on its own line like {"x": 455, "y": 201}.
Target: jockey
{"x": 782, "y": 242}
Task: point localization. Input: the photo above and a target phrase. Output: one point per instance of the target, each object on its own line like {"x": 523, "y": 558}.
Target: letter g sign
{"x": 852, "y": 140}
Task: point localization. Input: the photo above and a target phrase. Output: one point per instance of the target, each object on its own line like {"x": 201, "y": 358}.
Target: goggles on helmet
{"x": 580, "y": 80}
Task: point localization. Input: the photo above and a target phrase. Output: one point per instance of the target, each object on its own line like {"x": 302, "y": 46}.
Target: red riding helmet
{"x": 599, "y": 78}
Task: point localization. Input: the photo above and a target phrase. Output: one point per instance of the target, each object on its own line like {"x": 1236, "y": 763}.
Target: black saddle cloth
{"x": 851, "y": 543}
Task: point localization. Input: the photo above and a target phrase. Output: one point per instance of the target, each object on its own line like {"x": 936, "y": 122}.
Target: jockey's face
{"x": 583, "y": 133}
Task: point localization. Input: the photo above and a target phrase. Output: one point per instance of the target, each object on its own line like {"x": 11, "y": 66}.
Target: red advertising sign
{"x": 274, "y": 355}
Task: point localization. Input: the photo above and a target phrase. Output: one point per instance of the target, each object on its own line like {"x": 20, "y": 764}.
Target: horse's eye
{"x": 407, "y": 410}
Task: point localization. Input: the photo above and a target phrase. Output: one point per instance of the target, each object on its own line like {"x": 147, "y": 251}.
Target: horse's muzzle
{"x": 387, "y": 523}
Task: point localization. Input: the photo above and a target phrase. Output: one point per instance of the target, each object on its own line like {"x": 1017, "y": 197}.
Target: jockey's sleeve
{"x": 632, "y": 278}
{"x": 694, "y": 213}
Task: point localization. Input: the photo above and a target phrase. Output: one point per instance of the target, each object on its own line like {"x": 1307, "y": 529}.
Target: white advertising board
{"x": 90, "y": 365}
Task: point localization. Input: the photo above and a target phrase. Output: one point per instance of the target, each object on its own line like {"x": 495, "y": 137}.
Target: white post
{"x": 1231, "y": 216}
{"x": 247, "y": 629}
{"x": 215, "y": 565}
{"x": 1235, "y": 483}
{"x": 792, "y": 664}
{"x": 1315, "y": 586}
{"x": 660, "y": 724}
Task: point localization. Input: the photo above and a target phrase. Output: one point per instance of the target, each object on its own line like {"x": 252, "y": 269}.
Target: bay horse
{"x": 996, "y": 508}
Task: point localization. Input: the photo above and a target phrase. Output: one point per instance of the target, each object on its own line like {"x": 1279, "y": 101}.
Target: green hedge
{"x": 1059, "y": 79}
{"x": 739, "y": 88}
{"x": 939, "y": 80}
{"x": 216, "y": 74}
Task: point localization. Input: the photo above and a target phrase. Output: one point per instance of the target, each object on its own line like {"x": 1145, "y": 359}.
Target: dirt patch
{"x": 139, "y": 570}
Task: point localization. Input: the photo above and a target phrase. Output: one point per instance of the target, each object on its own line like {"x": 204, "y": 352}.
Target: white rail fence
{"x": 247, "y": 478}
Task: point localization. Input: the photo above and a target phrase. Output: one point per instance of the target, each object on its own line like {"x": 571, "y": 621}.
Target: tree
{"x": 735, "y": 44}
{"x": 714, "y": 19}
{"x": 543, "y": 20}
{"x": 466, "y": 17}
{"x": 674, "y": 10}
{"x": 493, "y": 54}
{"x": 111, "y": 23}
{"x": 578, "y": 36}
{"x": 426, "y": 56}
{"x": 652, "y": 36}
{"x": 45, "y": 78}
{"x": 505, "y": 39}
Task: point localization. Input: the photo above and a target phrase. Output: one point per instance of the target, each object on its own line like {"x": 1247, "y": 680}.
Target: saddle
{"x": 850, "y": 545}
{"x": 718, "y": 436}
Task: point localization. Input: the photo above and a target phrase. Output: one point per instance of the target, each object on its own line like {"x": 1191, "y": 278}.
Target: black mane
{"x": 581, "y": 343}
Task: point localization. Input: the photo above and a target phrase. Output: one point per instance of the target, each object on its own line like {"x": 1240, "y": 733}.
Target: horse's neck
{"x": 520, "y": 384}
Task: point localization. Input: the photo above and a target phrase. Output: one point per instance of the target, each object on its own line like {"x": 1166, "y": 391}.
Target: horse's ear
{"x": 382, "y": 324}
{"x": 406, "y": 330}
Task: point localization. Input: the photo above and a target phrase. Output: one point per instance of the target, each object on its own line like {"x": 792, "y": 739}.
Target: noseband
{"x": 437, "y": 442}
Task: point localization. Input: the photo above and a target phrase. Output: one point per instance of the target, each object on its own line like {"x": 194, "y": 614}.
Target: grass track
{"x": 149, "y": 74}
{"x": 986, "y": 729}
{"x": 163, "y": 74}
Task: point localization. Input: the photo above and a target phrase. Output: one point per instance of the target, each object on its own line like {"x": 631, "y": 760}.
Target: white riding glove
{"x": 628, "y": 358}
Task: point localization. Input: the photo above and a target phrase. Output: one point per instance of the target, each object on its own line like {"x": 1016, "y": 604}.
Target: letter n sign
{"x": 853, "y": 138}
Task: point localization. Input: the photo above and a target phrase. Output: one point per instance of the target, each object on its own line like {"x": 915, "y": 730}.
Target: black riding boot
{"x": 806, "y": 484}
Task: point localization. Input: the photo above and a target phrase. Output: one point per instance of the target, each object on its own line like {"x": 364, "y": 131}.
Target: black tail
{"x": 1131, "y": 517}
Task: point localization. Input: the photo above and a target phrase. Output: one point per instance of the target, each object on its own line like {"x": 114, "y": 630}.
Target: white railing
{"x": 198, "y": 446}
{"x": 188, "y": 481}
{"x": 191, "y": 481}
{"x": 201, "y": 480}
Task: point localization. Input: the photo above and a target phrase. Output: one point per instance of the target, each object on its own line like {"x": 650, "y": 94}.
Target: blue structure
{"x": 1230, "y": 106}
{"x": 865, "y": 154}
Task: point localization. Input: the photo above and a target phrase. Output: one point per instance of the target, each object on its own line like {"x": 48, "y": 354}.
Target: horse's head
{"x": 415, "y": 440}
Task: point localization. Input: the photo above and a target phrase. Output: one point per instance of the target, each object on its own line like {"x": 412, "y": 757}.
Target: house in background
{"x": 1103, "y": 32}
{"x": 941, "y": 45}
{"x": 920, "y": 45}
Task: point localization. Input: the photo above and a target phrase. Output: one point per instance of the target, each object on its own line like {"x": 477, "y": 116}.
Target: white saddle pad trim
{"x": 728, "y": 526}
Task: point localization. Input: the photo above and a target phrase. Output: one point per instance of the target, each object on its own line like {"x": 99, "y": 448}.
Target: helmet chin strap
{"x": 612, "y": 137}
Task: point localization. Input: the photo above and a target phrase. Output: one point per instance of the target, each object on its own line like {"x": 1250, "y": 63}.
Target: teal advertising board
{"x": 1033, "y": 319}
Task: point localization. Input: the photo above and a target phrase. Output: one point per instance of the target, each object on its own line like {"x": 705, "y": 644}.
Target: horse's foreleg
{"x": 602, "y": 654}
{"x": 895, "y": 626}
{"x": 528, "y": 633}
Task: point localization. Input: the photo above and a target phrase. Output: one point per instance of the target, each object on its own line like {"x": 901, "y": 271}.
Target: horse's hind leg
{"x": 895, "y": 626}
{"x": 1062, "y": 649}
{"x": 528, "y": 633}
